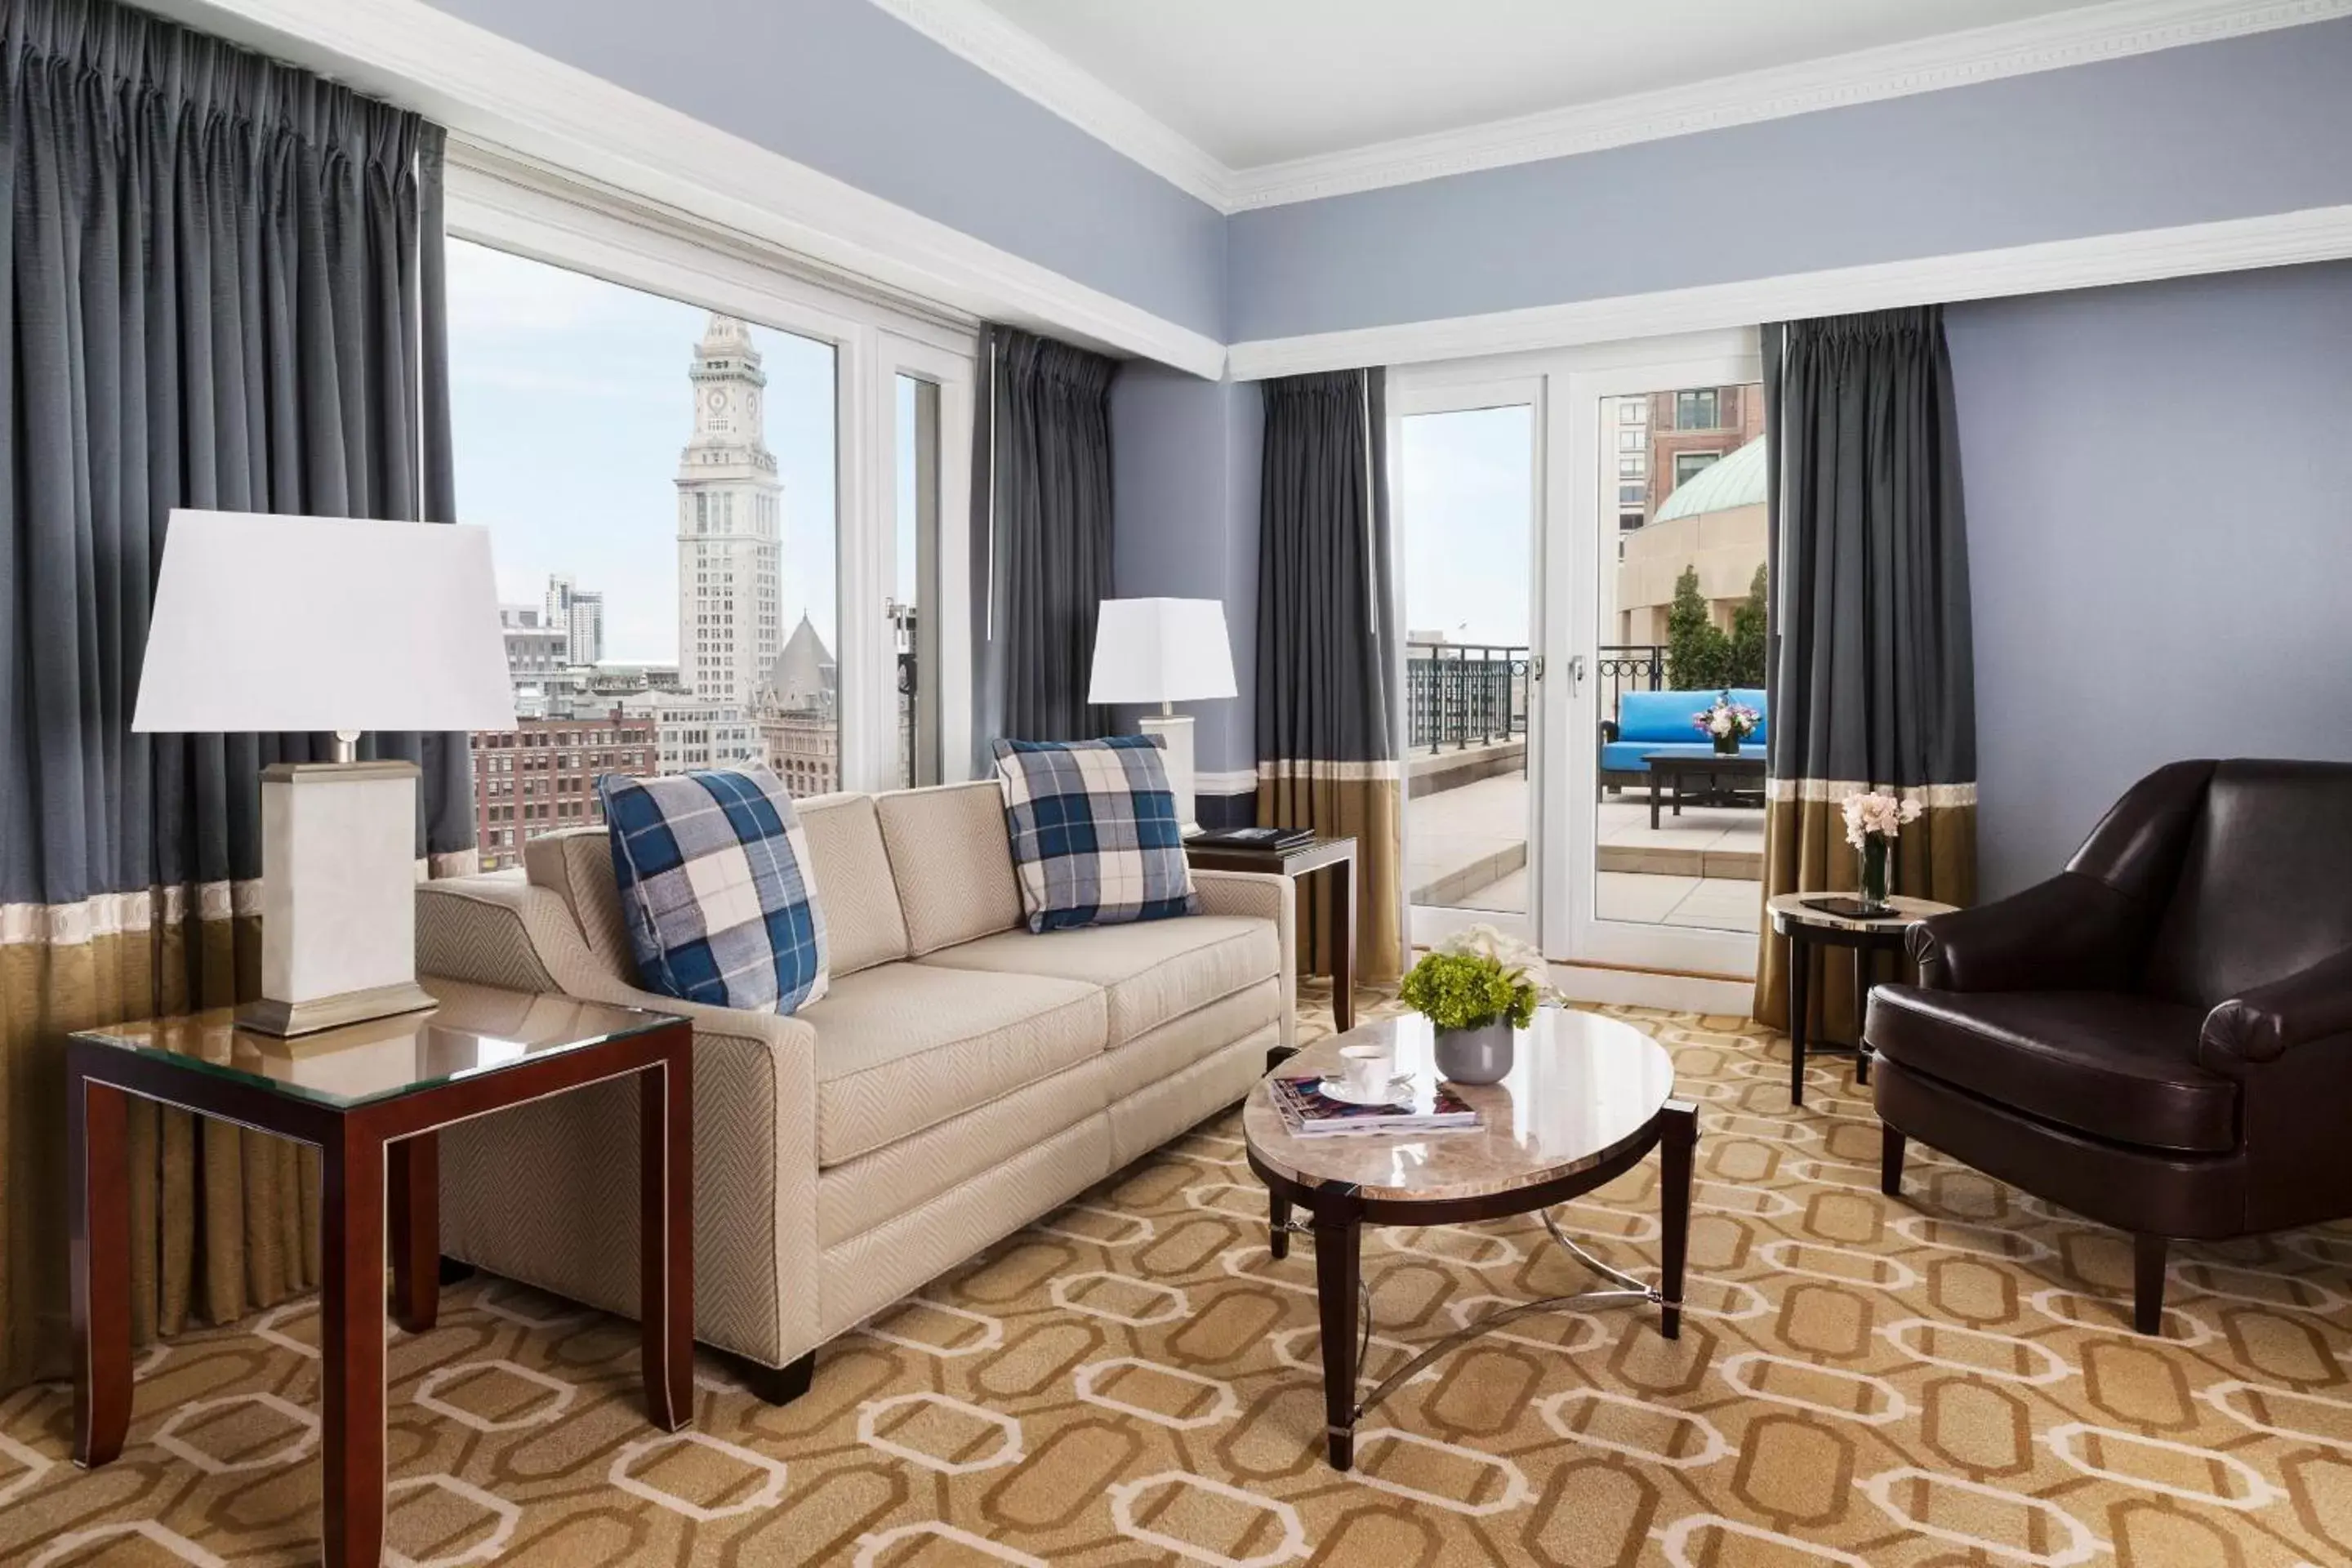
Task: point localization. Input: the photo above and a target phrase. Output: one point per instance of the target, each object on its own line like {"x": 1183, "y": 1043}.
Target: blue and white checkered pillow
{"x": 714, "y": 875}
{"x": 1095, "y": 835}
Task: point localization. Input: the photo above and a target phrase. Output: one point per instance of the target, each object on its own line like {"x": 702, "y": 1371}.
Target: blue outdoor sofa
{"x": 1651, "y": 722}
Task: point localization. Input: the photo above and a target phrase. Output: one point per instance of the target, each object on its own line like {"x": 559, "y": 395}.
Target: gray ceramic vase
{"x": 1481, "y": 1055}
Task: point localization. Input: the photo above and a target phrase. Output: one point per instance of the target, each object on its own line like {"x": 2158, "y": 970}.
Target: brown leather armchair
{"x": 2160, "y": 1037}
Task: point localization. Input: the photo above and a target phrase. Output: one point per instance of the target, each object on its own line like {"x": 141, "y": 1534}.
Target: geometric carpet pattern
{"x": 1946, "y": 1380}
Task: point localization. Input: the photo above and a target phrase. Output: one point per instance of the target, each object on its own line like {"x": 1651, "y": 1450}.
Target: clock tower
{"x": 729, "y": 524}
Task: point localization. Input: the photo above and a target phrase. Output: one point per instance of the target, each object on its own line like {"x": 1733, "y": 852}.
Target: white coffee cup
{"x": 1365, "y": 1071}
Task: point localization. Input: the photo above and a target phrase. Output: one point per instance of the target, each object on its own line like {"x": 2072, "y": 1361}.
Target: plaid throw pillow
{"x": 1095, "y": 836}
{"x": 714, "y": 876}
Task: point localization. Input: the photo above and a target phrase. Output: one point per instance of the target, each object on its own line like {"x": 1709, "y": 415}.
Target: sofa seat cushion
{"x": 904, "y": 1046}
{"x": 1151, "y": 972}
{"x": 2118, "y": 1066}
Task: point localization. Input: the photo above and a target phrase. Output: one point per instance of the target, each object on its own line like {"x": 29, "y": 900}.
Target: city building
{"x": 541, "y": 776}
{"x": 797, "y": 714}
{"x": 1713, "y": 525}
{"x": 537, "y": 659}
{"x": 729, "y": 518}
{"x": 1690, "y": 430}
{"x": 692, "y": 733}
{"x": 579, "y": 614}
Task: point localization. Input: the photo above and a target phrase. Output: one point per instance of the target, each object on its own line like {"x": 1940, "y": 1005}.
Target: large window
{"x": 1697, "y": 410}
{"x": 689, "y": 575}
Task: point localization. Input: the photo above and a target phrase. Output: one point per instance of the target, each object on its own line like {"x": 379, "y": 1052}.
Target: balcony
{"x": 1467, "y": 806}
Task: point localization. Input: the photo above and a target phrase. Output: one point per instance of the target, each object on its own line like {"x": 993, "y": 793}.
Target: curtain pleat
{"x": 1042, "y": 528}
{"x": 1872, "y": 681}
{"x": 1328, "y": 756}
{"x": 219, "y": 272}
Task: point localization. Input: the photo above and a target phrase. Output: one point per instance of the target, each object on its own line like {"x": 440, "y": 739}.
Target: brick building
{"x": 541, "y": 776}
{"x": 1690, "y": 430}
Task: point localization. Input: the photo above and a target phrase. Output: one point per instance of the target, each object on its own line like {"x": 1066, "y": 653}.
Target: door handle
{"x": 1575, "y": 673}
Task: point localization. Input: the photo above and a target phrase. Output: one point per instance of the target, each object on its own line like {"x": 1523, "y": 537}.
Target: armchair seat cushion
{"x": 2110, "y": 1063}
{"x": 903, "y": 1046}
{"x": 1151, "y": 972}
{"x": 1632, "y": 757}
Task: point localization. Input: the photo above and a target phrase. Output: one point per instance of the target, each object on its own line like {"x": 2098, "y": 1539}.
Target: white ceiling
{"x": 1253, "y": 82}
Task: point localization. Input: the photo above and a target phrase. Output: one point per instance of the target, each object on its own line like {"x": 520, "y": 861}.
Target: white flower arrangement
{"x": 1521, "y": 962}
{"x": 1874, "y": 814}
{"x": 1724, "y": 718}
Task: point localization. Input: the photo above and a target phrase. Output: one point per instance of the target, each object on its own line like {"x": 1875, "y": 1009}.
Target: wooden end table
{"x": 1337, "y": 855}
{"x": 371, "y": 1098}
{"x": 1586, "y": 1099}
{"x": 1809, "y": 930}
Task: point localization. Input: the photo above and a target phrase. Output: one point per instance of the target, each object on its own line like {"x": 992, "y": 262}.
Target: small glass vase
{"x": 1727, "y": 745}
{"x": 1872, "y": 896}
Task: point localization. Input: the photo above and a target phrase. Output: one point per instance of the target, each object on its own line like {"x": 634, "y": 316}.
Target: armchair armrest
{"x": 2072, "y": 932}
{"x": 1608, "y": 732}
{"x": 2264, "y": 1024}
{"x": 1265, "y": 896}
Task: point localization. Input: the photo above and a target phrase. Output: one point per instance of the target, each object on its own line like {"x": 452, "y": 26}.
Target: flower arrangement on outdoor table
{"x": 1725, "y": 723}
{"x": 1475, "y": 988}
{"x": 1874, "y": 820}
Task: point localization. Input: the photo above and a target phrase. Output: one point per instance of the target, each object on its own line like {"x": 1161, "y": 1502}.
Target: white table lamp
{"x": 331, "y": 625}
{"x": 1165, "y": 651}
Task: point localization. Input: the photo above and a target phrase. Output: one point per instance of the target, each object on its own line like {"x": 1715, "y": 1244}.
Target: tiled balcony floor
{"x": 1467, "y": 848}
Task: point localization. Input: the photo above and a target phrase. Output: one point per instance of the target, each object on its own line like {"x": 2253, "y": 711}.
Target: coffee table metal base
{"x": 1339, "y": 1213}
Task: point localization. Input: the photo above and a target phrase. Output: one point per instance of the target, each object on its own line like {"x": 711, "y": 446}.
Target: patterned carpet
{"x": 1131, "y": 1380}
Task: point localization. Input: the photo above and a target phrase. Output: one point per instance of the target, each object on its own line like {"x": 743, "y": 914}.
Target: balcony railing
{"x": 1476, "y": 694}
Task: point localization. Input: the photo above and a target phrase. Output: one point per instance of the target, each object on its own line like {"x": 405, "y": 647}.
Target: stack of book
{"x": 1309, "y": 1112}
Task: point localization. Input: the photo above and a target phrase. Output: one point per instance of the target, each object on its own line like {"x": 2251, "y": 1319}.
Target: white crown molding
{"x": 2072, "y": 38}
{"x": 2283, "y": 239}
{"x": 500, "y": 95}
{"x": 2082, "y": 36}
{"x": 982, "y": 36}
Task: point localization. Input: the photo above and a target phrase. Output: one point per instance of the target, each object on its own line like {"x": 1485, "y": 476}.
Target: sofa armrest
{"x": 2073, "y": 932}
{"x": 2312, "y": 1004}
{"x": 755, "y": 1079}
{"x": 1608, "y": 732}
{"x": 1261, "y": 895}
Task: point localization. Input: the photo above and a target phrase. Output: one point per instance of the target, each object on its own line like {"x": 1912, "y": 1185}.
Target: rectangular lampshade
{"x": 322, "y": 624}
{"x": 1161, "y": 650}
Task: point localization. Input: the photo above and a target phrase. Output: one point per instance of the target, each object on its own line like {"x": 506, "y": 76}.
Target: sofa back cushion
{"x": 864, "y": 926}
{"x": 713, "y": 871}
{"x": 576, "y": 866}
{"x": 2262, "y": 888}
{"x": 1664, "y": 716}
{"x": 952, "y": 860}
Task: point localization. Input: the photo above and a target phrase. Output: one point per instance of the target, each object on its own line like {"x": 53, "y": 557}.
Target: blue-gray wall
{"x": 1184, "y": 478}
{"x": 2244, "y": 127}
{"x": 2159, "y": 510}
{"x": 848, "y": 89}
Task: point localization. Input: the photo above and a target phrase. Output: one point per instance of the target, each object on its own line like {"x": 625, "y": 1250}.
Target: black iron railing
{"x": 1630, "y": 667}
{"x": 1465, "y": 694}
{"x": 1476, "y": 694}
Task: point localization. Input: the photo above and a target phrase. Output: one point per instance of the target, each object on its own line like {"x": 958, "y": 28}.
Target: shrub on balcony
{"x": 1700, "y": 656}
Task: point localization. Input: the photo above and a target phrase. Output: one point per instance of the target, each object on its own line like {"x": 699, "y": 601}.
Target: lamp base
{"x": 1175, "y": 733}
{"x": 286, "y": 1019}
{"x": 338, "y": 896}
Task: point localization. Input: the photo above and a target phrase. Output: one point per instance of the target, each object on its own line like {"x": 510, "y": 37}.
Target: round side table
{"x": 1809, "y": 930}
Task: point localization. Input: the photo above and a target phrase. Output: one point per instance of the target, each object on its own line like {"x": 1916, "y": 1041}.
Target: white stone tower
{"x": 730, "y": 521}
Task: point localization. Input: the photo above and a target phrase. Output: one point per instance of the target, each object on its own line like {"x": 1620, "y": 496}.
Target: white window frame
{"x": 532, "y": 212}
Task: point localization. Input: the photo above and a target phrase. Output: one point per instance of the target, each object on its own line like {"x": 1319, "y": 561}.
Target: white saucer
{"x": 1337, "y": 1088}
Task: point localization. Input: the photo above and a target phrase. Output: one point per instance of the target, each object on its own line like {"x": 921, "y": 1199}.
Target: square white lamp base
{"x": 1175, "y": 732}
{"x": 338, "y": 896}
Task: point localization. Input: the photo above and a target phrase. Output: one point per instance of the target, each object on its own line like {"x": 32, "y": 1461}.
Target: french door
{"x": 1575, "y": 493}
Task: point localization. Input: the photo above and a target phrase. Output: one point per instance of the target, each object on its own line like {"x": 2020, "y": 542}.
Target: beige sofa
{"x": 961, "y": 1076}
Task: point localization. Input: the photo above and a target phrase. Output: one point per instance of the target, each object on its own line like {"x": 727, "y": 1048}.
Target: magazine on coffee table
{"x": 1308, "y": 1112}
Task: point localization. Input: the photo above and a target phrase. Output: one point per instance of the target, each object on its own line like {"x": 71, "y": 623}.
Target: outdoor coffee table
{"x": 1675, "y": 766}
{"x": 1586, "y": 1099}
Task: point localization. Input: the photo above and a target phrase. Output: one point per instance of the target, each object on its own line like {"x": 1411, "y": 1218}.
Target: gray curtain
{"x": 224, "y": 288}
{"x": 1041, "y": 539}
{"x": 1872, "y": 680}
{"x": 1328, "y": 757}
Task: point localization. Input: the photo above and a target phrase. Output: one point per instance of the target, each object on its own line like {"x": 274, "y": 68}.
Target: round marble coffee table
{"x": 1586, "y": 1099}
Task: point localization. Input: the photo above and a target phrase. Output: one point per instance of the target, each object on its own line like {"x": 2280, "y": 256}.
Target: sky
{"x": 1465, "y": 505}
{"x": 571, "y": 406}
